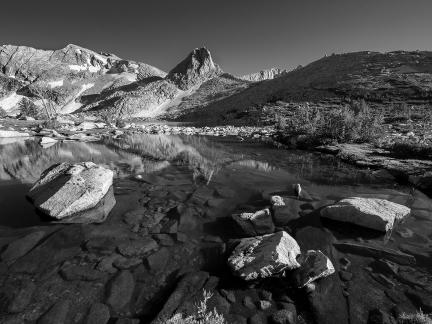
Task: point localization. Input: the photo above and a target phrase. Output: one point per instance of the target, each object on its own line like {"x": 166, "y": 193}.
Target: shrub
{"x": 202, "y": 315}
{"x": 417, "y": 318}
{"x": 28, "y": 108}
{"x": 355, "y": 123}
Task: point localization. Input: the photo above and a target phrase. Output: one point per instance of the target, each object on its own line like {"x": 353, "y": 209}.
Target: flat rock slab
{"x": 252, "y": 224}
{"x": 377, "y": 214}
{"x": 264, "y": 256}
{"x": 376, "y": 252}
{"x": 66, "y": 190}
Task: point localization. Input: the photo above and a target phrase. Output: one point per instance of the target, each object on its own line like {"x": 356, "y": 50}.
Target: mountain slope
{"x": 62, "y": 76}
{"x": 153, "y": 96}
{"x": 379, "y": 78}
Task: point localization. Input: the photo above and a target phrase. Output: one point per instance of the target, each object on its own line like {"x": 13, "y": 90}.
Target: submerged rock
{"x": 315, "y": 266}
{"x": 120, "y": 291}
{"x": 264, "y": 256}
{"x": 74, "y": 193}
{"x": 377, "y": 214}
{"x": 21, "y": 246}
{"x": 258, "y": 223}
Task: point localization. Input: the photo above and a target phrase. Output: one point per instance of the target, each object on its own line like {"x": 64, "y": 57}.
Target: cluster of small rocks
{"x": 243, "y": 131}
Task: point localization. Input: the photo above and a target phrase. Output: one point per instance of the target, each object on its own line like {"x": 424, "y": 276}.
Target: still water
{"x": 215, "y": 177}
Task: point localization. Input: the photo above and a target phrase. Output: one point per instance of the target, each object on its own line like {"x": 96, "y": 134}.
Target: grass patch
{"x": 417, "y": 318}
{"x": 411, "y": 150}
{"x": 201, "y": 316}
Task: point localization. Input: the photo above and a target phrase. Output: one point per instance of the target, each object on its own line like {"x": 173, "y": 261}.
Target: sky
{"x": 244, "y": 36}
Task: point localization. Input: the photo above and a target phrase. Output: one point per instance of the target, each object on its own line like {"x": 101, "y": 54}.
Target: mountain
{"x": 196, "y": 68}
{"x": 264, "y": 75}
{"x": 63, "y": 76}
{"x": 381, "y": 79}
{"x": 77, "y": 80}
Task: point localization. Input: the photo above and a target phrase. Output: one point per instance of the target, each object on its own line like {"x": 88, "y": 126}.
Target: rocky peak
{"x": 262, "y": 75}
{"x": 195, "y": 69}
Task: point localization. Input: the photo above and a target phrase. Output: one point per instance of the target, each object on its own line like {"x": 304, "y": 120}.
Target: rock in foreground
{"x": 264, "y": 256}
{"x": 315, "y": 266}
{"x": 377, "y": 214}
{"x": 74, "y": 193}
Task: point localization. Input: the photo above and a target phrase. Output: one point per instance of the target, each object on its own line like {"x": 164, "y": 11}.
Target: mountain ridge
{"x": 102, "y": 85}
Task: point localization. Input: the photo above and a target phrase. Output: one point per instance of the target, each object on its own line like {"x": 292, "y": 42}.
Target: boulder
{"x": 74, "y": 193}
{"x": 253, "y": 224}
{"x": 57, "y": 314}
{"x": 377, "y": 214}
{"x": 284, "y": 209}
{"x": 264, "y": 256}
{"x": 315, "y": 266}
{"x": 98, "y": 313}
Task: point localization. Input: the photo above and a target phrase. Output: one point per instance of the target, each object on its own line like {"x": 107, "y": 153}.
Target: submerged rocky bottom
{"x": 170, "y": 234}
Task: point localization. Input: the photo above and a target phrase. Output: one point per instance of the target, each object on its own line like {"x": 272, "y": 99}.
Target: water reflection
{"x": 24, "y": 160}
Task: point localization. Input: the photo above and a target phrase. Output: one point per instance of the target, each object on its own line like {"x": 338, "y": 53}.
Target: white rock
{"x": 12, "y": 133}
{"x": 378, "y": 214}
{"x": 65, "y": 190}
{"x": 264, "y": 256}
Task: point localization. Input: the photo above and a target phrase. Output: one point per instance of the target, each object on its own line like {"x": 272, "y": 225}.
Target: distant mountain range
{"x": 80, "y": 81}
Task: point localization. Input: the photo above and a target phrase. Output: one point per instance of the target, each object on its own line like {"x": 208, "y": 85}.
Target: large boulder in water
{"x": 74, "y": 193}
{"x": 377, "y": 214}
{"x": 264, "y": 256}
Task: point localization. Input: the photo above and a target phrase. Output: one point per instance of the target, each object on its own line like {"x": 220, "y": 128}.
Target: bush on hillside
{"x": 347, "y": 123}
{"x": 28, "y": 108}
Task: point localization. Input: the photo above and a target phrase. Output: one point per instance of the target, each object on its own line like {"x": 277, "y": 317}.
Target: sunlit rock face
{"x": 264, "y": 75}
{"x": 377, "y": 214}
{"x": 264, "y": 256}
{"x": 71, "y": 192}
{"x": 64, "y": 77}
{"x": 196, "y": 68}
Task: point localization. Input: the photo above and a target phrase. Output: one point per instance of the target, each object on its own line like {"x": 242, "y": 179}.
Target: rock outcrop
{"x": 264, "y": 75}
{"x": 377, "y": 214}
{"x": 264, "y": 256}
{"x": 74, "y": 193}
{"x": 196, "y": 68}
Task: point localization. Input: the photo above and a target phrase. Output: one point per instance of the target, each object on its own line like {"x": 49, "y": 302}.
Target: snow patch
{"x": 77, "y": 67}
{"x": 55, "y": 84}
{"x": 72, "y": 105}
{"x": 94, "y": 69}
{"x": 11, "y": 101}
{"x": 101, "y": 58}
{"x": 88, "y": 66}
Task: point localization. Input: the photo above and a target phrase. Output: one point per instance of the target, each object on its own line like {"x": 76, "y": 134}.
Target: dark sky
{"x": 244, "y": 36}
